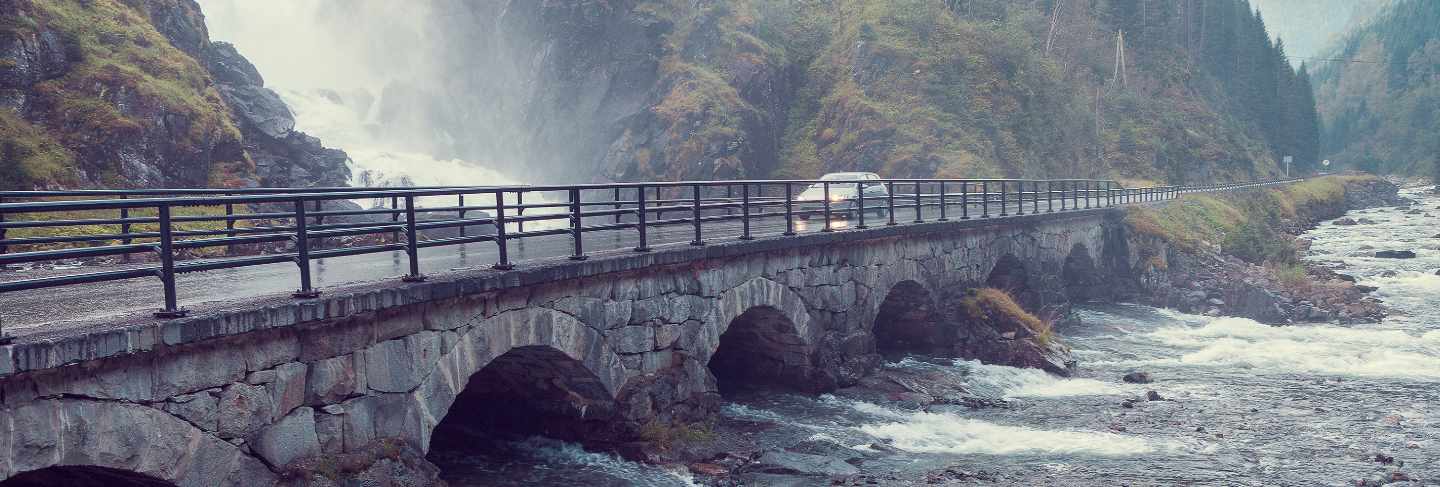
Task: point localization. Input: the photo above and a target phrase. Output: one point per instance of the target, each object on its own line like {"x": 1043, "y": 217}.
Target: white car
{"x": 845, "y": 190}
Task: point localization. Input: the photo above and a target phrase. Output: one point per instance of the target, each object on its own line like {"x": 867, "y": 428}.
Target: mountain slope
{"x": 110, "y": 93}
{"x": 1383, "y": 114}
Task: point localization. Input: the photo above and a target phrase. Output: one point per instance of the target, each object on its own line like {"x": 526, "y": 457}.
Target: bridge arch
{"x": 1080, "y": 275}
{"x": 765, "y": 338}
{"x": 1011, "y": 275}
{"x": 102, "y": 443}
{"x": 528, "y": 371}
{"x": 907, "y": 321}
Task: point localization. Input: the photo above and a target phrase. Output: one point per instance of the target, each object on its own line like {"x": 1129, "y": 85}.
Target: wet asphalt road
{"x": 56, "y": 310}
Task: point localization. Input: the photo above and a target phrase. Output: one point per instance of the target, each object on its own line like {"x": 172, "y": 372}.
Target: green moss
{"x": 666, "y": 435}
{"x": 119, "y": 59}
{"x": 28, "y": 156}
{"x": 1246, "y": 225}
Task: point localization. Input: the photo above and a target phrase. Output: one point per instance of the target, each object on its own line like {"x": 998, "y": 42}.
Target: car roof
{"x": 851, "y": 175}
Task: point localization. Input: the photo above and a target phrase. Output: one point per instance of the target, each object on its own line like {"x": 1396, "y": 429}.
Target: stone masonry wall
{"x": 233, "y": 399}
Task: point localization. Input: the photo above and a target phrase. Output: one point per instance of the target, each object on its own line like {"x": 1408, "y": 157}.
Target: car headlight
{"x": 834, "y": 198}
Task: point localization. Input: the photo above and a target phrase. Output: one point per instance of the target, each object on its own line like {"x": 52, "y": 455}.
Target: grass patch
{"x": 29, "y": 156}
{"x": 124, "y": 77}
{"x": 990, "y": 305}
{"x": 110, "y": 229}
{"x": 1246, "y": 225}
{"x": 665, "y": 435}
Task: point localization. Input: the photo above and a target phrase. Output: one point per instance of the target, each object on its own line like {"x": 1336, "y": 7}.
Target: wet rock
{"x": 783, "y": 462}
{"x": 1345, "y": 222}
{"x": 708, "y": 469}
{"x": 1365, "y": 221}
{"x": 884, "y": 448}
{"x": 1384, "y": 459}
{"x": 1137, "y": 378}
{"x": 1395, "y": 254}
{"x": 1366, "y": 289}
{"x": 1153, "y": 396}
{"x": 1346, "y": 277}
{"x": 1400, "y": 477}
{"x": 1128, "y": 404}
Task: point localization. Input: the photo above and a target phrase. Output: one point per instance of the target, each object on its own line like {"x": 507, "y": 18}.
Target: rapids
{"x": 1243, "y": 403}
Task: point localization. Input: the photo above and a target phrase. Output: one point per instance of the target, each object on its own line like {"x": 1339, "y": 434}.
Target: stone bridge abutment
{"x": 589, "y": 350}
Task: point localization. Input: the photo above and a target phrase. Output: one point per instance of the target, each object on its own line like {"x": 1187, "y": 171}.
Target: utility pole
{"x": 1054, "y": 24}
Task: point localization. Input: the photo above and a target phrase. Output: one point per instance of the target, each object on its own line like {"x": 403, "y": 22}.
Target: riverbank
{"x": 1239, "y": 254}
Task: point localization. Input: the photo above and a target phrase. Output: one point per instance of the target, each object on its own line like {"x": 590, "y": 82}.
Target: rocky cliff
{"x": 680, "y": 89}
{"x": 132, "y": 93}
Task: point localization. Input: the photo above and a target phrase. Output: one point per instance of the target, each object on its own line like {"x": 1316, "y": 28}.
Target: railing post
{"x": 944, "y": 216}
{"x": 1035, "y": 197}
{"x": 229, "y": 225}
{"x": 789, "y": 211}
{"x": 965, "y": 200}
{"x": 890, "y": 203}
{"x": 1020, "y": 198}
{"x": 124, "y": 230}
{"x": 1089, "y": 193}
{"x": 461, "y": 197}
{"x": 501, "y": 235}
{"x": 1063, "y": 198}
{"x": 1049, "y": 196}
{"x": 394, "y": 217}
{"x": 860, "y": 205}
{"x": 412, "y": 242}
{"x": 167, "y": 266}
{"x": 745, "y": 212}
{"x": 729, "y": 199}
{"x": 520, "y": 212}
{"x": 1075, "y": 193}
{"x": 3, "y": 247}
{"x": 641, "y": 224}
{"x": 695, "y": 215}
{"x": 618, "y": 206}
{"x": 826, "y": 205}
{"x": 919, "y": 218}
{"x": 1004, "y": 203}
{"x": 985, "y": 199}
{"x": 302, "y": 253}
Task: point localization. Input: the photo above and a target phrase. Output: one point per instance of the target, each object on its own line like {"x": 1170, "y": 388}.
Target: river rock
{"x": 1345, "y": 222}
{"x": 1395, "y": 254}
{"x": 783, "y": 462}
{"x": 1153, "y": 396}
{"x": 1137, "y": 378}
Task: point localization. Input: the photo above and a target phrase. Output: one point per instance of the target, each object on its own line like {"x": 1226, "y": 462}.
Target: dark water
{"x": 1245, "y": 404}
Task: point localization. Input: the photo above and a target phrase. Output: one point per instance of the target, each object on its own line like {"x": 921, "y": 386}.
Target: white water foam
{"x": 562, "y": 453}
{"x": 927, "y": 432}
{"x": 1019, "y": 383}
{"x": 1243, "y": 343}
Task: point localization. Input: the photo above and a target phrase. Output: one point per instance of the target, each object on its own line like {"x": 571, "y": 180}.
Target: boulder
{"x": 1395, "y": 254}
{"x": 1345, "y": 222}
{"x": 1137, "y": 378}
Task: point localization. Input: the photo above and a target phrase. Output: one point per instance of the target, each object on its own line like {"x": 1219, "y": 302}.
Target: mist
{"x": 388, "y": 83}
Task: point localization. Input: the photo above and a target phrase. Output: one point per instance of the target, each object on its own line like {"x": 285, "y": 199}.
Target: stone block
{"x": 264, "y": 350}
{"x": 632, "y": 339}
{"x": 331, "y": 380}
{"x": 399, "y": 365}
{"x": 121, "y": 378}
{"x": 244, "y": 409}
{"x": 666, "y": 336}
{"x": 201, "y": 409}
{"x": 288, "y": 390}
{"x": 359, "y": 421}
{"x": 197, "y": 369}
{"x": 336, "y": 338}
{"x": 330, "y": 432}
{"x": 291, "y": 438}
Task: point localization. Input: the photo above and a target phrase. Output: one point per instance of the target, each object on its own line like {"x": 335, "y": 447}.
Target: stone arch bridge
{"x": 591, "y": 349}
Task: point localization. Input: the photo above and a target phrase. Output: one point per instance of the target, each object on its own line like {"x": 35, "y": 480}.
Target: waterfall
{"x": 374, "y": 78}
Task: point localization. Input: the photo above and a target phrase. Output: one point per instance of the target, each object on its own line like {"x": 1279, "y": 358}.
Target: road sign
{"x": 1288, "y": 160}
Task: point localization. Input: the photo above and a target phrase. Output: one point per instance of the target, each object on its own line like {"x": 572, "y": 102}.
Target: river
{"x": 1241, "y": 403}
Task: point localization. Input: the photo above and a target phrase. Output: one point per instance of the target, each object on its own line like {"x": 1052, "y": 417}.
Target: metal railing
{"x": 294, "y": 221}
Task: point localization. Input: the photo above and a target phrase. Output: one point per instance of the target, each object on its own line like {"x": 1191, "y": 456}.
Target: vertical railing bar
{"x": 918, "y": 216}
{"x": 1004, "y": 205}
{"x": 302, "y": 252}
{"x": 789, "y": 210}
{"x": 826, "y": 205}
{"x": 965, "y": 200}
{"x": 985, "y": 199}
{"x": 860, "y": 204}
{"x": 745, "y": 212}
{"x": 944, "y": 217}
{"x": 167, "y": 265}
{"x": 695, "y": 216}
{"x": 412, "y": 242}
{"x": 643, "y": 218}
{"x": 575, "y": 225}
{"x": 461, "y": 197}
{"x": 890, "y": 204}
{"x": 502, "y": 235}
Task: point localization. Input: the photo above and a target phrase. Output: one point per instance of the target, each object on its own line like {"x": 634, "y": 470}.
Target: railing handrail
{"x": 405, "y": 227}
